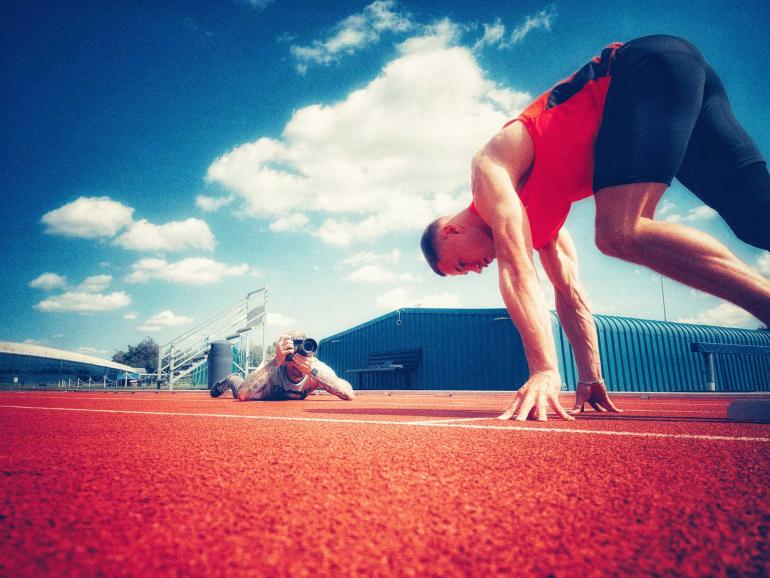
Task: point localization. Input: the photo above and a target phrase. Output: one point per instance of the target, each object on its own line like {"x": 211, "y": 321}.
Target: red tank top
{"x": 563, "y": 124}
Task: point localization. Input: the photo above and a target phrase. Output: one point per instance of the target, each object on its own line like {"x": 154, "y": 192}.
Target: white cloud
{"x": 369, "y": 258}
{"x": 174, "y": 236}
{"x": 92, "y": 351}
{"x": 370, "y": 267}
{"x": 88, "y": 217}
{"x": 95, "y": 284}
{"x": 725, "y": 315}
{"x": 192, "y": 271}
{"x": 130, "y": 316}
{"x": 541, "y": 20}
{"x": 48, "y": 282}
{"x": 493, "y": 35}
{"x": 280, "y": 322}
{"x": 353, "y": 34}
{"x": 389, "y": 157}
{"x": 291, "y": 222}
{"x": 401, "y": 297}
{"x": 699, "y": 213}
{"x": 83, "y": 302}
{"x": 101, "y": 217}
{"x": 763, "y": 264}
{"x": 440, "y": 300}
{"x": 664, "y": 207}
{"x": 164, "y": 320}
{"x": 211, "y": 204}
{"x": 371, "y": 274}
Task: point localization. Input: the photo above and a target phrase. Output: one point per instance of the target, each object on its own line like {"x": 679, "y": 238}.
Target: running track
{"x": 179, "y": 484}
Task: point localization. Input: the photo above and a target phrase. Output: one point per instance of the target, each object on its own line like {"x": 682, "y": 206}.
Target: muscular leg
{"x": 625, "y": 228}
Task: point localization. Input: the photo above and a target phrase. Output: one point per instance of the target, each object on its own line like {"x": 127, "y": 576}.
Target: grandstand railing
{"x": 242, "y": 324}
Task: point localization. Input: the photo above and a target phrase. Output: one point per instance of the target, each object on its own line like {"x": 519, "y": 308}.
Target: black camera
{"x": 305, "y": 347}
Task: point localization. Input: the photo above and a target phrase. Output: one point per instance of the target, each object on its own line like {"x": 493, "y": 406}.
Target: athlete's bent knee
{"x": 615, "y": 242}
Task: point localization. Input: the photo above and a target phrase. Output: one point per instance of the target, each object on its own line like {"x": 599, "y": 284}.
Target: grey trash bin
{"x": 220, "y": 361}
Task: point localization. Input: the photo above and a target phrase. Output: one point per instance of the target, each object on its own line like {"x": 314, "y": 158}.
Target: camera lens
{"x": 309, "y": 346}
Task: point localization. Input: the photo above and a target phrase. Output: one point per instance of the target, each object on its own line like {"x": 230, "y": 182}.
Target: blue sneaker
{"x": 222, "y": 386}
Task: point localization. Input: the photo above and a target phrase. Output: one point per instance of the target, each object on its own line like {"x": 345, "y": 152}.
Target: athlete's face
{"x": 465, "y": 249}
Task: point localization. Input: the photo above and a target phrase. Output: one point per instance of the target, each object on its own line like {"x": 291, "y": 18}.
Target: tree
{"x": 143, "y": 354}
{"x": 255, "y": 355}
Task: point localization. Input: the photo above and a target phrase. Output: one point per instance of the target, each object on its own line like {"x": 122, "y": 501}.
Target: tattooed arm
{"x": 257, "y": 384}
{"x": 330, "y": 382}
{"x": 321, "y": 375}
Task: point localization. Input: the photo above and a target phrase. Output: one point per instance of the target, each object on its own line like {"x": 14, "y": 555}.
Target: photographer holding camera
{"x": 293, "y": 373}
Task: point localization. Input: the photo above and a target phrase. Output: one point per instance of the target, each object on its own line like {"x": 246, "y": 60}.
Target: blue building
{"x": 480, "y": 349}
{"x": 27, "y": 365}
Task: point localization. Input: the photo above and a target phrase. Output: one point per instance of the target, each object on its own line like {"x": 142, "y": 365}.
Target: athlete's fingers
{"x": 511, "y": 411}
{"x": 526, "y": 406}
{"x": 508, "y": 413}
{"x": 532, "y": 414}
{"x": 611, "y": 407}
{"x": 579, "y": 407}
{"x": 607, "y": 403}
{"x": 553, "y": 400}
{"x": 596, "y": 406}
{"x": 576, "y": 410}
{"x": 542, "y": 406}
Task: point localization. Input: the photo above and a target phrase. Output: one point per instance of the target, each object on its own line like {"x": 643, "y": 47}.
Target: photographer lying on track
{"x": 293, "y": 373}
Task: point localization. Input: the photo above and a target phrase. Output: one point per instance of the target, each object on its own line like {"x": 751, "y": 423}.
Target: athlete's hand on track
{"x": 595, "y": 394}
{"x": 532, "y": 400}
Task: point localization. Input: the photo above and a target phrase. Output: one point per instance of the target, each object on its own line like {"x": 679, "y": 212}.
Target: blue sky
{"x": 161, "y": 159}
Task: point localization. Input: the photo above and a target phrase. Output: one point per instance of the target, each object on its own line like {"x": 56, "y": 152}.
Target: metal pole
{"x": 264, "y": 322}
{"x": 160, "y": 364}
{"x": 663, "y": 298}
{"x": 171, "y": 368}
{"x": 710, "y": 373}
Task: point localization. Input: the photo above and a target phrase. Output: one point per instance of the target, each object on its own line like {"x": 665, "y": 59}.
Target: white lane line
{"x": 408, "y": 423}
{"x": 451, "y": 420}
{"x": 375, "y": 403}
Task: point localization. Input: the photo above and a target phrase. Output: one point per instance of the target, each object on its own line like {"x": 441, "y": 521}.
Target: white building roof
{"x": 52, "y": 353}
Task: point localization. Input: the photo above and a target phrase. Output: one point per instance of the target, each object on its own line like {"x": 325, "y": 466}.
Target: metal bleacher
{"x": 242, "y": 324}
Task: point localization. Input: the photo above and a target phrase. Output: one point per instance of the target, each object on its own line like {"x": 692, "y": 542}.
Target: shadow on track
{"x": 436, "y": 413}
{"x": 602, "y": 416}
{"x": 471, "y": 413}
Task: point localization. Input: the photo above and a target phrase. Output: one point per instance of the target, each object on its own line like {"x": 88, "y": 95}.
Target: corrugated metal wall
{"x": 462, "y": 349}
{"x": 481, "y": 349}
{"x": 645, "y": 355}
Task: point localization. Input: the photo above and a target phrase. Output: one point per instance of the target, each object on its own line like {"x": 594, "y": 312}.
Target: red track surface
{"x": 403, "y": 485}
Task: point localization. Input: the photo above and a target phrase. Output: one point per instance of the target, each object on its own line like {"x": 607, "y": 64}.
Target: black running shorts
{"x": 667, "y": 115}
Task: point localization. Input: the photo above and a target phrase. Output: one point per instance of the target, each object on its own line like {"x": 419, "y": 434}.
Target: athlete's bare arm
{"x": 505, "y": 160}
{"x": 322, "y": 375}
{"x": 559, "y": 260}
{"x": 257, "y": 383}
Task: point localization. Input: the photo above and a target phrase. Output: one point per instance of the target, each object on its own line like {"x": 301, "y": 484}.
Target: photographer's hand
{"x": 283, "y": 347}
{"x": 304, "y": 364}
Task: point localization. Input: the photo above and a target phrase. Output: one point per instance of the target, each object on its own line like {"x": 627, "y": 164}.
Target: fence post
{"x": 711, "y": 384}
